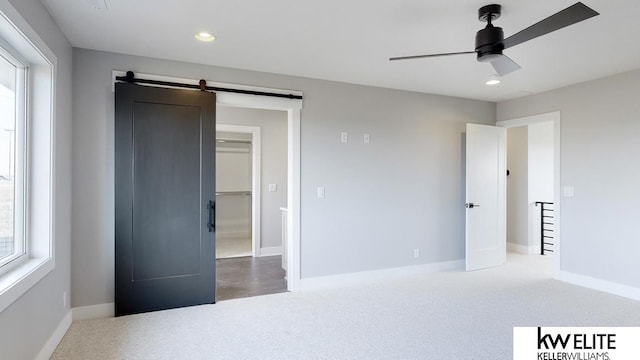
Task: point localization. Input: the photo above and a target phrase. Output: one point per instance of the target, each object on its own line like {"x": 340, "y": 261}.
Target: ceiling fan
{"x": 490, "y": 41}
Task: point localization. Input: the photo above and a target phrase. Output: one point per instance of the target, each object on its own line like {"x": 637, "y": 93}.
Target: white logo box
{"x": 576, "y": 343}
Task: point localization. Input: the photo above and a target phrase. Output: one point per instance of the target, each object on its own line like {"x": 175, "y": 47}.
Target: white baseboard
{"x": 331, "y": 281}
{"x": 271, "y": 251}
{"x": 93, "y": 311}
{"x": 523, "y": 249}
{"x": 599, "y": 284}
{"x": 55, "y": 338}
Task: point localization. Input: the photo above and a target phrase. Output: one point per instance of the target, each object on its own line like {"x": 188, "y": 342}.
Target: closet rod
{"x": 233, "y": 141}
{"x": 130, "y": 78}
{"x": 224, "y": 193}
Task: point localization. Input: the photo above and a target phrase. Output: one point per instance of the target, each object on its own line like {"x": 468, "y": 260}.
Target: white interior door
{"x": 486, "y": 244}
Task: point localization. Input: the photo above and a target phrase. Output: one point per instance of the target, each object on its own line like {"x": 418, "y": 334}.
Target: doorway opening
{"x": 237, "y": 191}
{"x": 251, "y": 189}
{"x": 533, "y": 221}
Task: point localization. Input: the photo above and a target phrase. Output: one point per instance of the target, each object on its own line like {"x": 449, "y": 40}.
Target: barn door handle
{"x": 471, "y": 205}
{"x": 211, "y": 225}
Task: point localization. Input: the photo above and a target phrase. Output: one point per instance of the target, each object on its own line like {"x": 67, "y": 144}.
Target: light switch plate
{"x": 320, "y": 192}
{"x": 273, "y": 187}
{"x": 367, "y": 138}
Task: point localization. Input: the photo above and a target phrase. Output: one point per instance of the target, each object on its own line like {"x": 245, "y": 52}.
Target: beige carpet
{"x": 453, "y": 315}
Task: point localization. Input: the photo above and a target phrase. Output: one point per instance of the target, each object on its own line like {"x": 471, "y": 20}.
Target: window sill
{"x": 15, "y": 282}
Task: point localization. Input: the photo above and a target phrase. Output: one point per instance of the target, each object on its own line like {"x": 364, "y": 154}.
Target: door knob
{"x": 471, "y": 205}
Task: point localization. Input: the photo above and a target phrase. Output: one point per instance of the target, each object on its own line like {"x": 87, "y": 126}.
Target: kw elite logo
{"x": 593, "y": 346}
{"x": 586, "y": 343}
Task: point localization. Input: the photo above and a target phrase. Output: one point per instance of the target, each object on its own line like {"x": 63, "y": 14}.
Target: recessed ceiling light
{"x": 493, "y": 80}
{"x": 205, "y": 36}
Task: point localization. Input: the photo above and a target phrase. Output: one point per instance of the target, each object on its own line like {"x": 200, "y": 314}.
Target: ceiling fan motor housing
{"x": 489, "y": 40}
{"x": 489, "y": 43}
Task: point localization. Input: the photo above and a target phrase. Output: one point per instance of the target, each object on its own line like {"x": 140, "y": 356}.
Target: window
{"x": 27, "y": 156}
{"x": 12, "y": 144}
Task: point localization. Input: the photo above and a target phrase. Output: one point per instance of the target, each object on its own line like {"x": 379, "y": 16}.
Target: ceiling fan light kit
{"x": 490, "y": 41}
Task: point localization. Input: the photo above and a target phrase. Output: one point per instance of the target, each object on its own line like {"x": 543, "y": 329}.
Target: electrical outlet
{"x": 320, "y": 192}
{"x": 273, "y": 187}
{"x": 344, "y": 137}
{"x": 416, "y": 253}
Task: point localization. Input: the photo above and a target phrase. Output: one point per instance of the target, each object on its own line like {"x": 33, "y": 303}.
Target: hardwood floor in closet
{"x": 249, "y": 276}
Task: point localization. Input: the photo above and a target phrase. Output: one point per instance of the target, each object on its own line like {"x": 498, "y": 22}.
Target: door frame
{"x": 256, "y": 180}
{"x": 293, "y": 108}
{"x": 556, "y": 119}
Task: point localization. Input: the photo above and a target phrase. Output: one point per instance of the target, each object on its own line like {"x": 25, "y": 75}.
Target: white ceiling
{"x": 351, "y": 40}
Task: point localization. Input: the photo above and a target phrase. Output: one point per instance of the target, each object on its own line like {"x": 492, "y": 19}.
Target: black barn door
{"x": 164, "y": 182}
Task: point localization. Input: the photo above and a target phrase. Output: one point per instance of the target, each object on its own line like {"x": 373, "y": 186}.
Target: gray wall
{"x": 273, "y": 133}
{"x": 540, "y": 143}
{"x": 517, "y": 186}
{"x": 28, "y": 323}
{"x": 541, "y": 163}
{"x": 599, "y": 146}
{"x": 402, "y": 191}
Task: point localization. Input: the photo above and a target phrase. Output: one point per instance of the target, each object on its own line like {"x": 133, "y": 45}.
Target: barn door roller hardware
{"x": 202, "y": 86}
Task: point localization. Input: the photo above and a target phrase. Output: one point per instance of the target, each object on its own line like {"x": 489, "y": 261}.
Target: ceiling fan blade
{"x": 504, "y": 65}
{"x": 569, "y": 16}
{"x": 428, "y": 56}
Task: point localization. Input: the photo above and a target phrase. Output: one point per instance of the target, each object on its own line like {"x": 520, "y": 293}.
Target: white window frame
{"x": 22, "y": 41}
{"x": 20, "y": 211}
